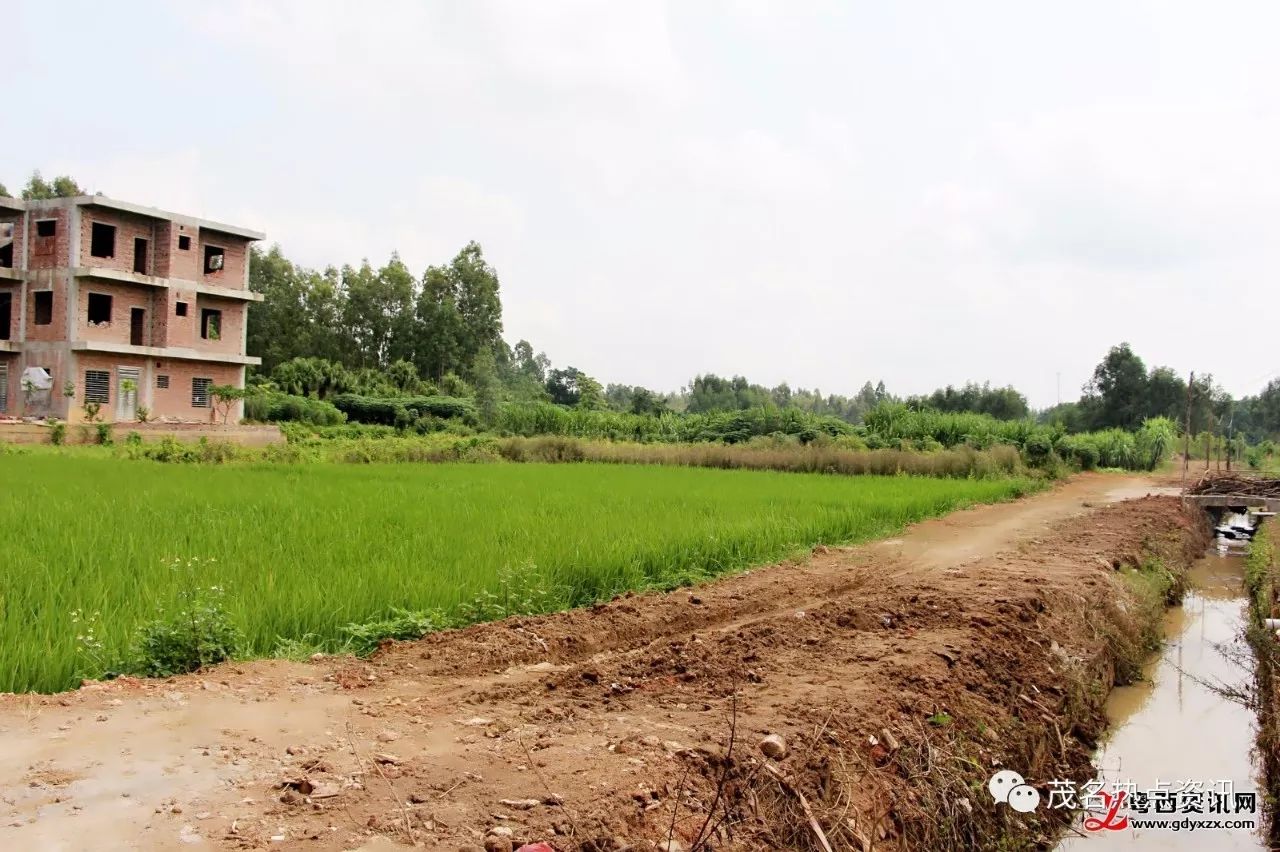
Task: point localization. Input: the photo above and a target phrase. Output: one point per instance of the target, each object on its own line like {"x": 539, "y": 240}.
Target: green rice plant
{"x": 305, "y": 551}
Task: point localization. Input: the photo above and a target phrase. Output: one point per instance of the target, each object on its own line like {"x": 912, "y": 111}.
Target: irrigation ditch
{"x": 1205, "y": 706}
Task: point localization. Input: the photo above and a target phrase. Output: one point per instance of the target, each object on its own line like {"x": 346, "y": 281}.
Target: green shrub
{"x": 1038, "y": 448}
{"x": 402, "y": 625}
{"x": 731, "y": 427}
{"x": 519, "y": 591}
{"x": 1154, "y": 441}
{"x": 401, "y": 411}
{"x": 57, "y": 432}
{"x": 104, "y": 434}
{"x": 275, "y": 407}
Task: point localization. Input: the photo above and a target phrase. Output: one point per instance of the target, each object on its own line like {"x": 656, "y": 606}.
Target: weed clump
{"x": 198, "y": 633}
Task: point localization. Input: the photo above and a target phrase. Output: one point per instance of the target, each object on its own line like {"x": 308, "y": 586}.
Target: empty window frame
{"x": 6, "y": 313}
{"x": 213, "y": 259}
{"x": 43, "y": 307}
{"x": 200, "y": 392}
{"x": 210, "y": 324}
{"x": 99, "y": 308}
{"x": 162, "y": 382}
{"x": 184, "y": 243}
{"x": 102, "y": 242}
{"x": 97, "y": 386}
{"x": 140, "y": 256}
{"x": 45, "y": 244}
{"x": 180, "y": 309}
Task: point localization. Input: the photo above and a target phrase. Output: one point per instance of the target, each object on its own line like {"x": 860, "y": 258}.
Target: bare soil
{"x": 898, "y": 673}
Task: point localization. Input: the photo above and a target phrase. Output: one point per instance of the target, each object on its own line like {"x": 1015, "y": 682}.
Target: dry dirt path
{"x": 604, "y": 709}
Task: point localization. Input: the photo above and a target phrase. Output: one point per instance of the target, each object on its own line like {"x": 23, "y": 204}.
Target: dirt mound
{"x": 896, "y": 681}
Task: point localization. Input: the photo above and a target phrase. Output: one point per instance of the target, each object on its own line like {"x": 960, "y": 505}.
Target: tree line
{"x": 39, "y": 189}
{"x": 1123, "y": 393}
{"x": 385, "y": 331}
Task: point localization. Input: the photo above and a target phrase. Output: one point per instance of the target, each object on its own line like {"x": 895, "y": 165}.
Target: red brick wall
{"x": 124, "y": 297}
{"x": 49, "y": 252}
{"x": 233, "y": 318}
{"x": 173, "y": 262}
{"x": 173, "y": 402}
{"x": 128, "y": 228}
{"x": 165, "y": 246}
{"x": 176, "y": 401}
{"x": 235, "y": 260}
{"x": 109, "y": 363}
{"x": 171, "y": 329}
{"x": 57, "y": 330}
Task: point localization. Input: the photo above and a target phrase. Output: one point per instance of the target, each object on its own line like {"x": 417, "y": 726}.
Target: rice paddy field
{"x": 303, "y": 550}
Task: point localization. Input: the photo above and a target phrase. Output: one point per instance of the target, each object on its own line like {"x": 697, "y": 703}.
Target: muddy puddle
{"x": 1172, "y": 727}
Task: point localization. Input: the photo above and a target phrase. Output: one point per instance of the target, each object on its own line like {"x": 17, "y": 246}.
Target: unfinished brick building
{"x": 122, "y": 305}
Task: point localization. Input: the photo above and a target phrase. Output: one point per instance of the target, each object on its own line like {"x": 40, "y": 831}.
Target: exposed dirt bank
{"x": 1262, "y": 581}
{"x": 986, "y": 638}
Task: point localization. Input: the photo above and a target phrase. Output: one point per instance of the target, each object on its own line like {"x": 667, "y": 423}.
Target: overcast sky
{"x": 823, "y": 193}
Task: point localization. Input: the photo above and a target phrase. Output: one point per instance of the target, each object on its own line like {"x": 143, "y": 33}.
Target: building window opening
{"x": 184, "y": 243}
{"x": 44, "y": 307}
{"x": 140, "y": 256}
{"x": 102, "y": 241}
{"x": 211, "y": 324}
{"x": 213, "y": 259}
{"x": 47, "y": 228}
{"x": 97, "y": 386}
{"x": 99, "y": 309}
{"x": 180, "y": 309}
{"x": 200, "y": 392}
{"x": 162, "y": 382}
{"x": 6, "y": 245}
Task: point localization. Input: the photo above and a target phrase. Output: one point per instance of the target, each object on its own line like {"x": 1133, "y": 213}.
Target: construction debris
{"x": 1233, "y": 485}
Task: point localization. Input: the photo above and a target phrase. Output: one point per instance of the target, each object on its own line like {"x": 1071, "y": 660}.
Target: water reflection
{"x": 1171, "y": 726}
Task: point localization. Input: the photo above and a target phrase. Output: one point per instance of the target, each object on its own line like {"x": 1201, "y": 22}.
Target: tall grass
{"x": 303, "y": 550}
{"x": 1000, "y": 461}
{"x": 730, "y": 427}
{"x": 384, "y": 444}
{"x": 888, "y": 426}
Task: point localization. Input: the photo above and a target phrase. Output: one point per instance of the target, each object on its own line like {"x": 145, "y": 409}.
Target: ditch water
{"x": 1170, "y": 726}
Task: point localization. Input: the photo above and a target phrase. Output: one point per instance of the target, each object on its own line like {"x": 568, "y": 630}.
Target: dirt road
{"x": 604, "y": 727}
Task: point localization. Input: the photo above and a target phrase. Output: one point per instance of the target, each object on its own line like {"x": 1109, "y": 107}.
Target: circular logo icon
{"x": 1024, "y": 798}
{"x": 1002, "y": 782}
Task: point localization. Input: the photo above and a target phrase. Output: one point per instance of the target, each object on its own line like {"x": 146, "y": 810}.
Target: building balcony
{"x": 227, "y": 292}
{"x": 180, "y": 353}
{"x": 115, "y": 276}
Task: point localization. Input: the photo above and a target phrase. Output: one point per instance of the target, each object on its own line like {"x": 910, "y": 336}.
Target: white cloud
{"x": 1117, "y": 187}
{"x": 824, "y": 194}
